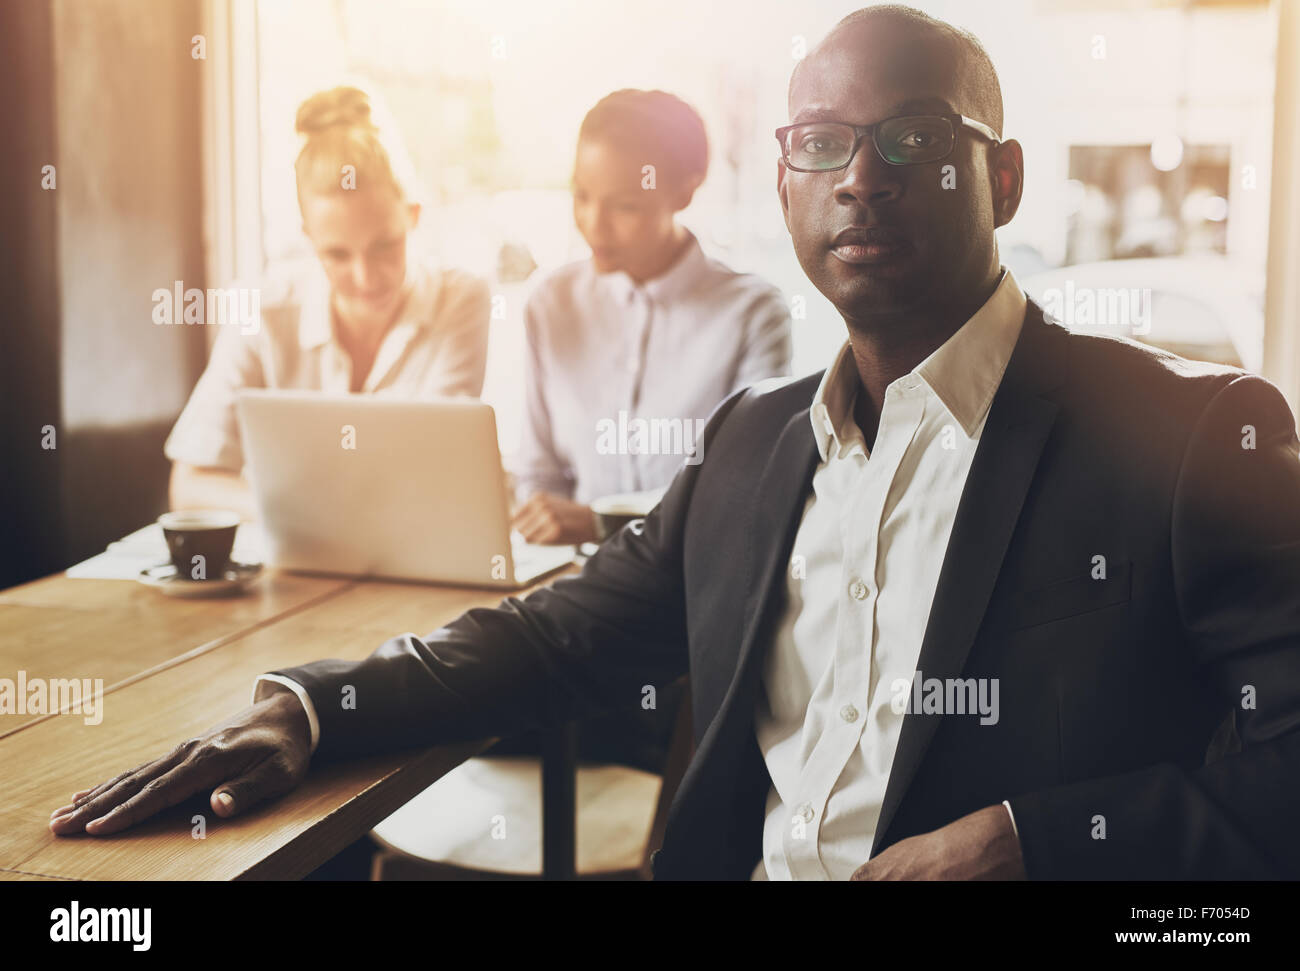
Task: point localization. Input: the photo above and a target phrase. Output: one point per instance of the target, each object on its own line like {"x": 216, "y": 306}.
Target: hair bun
{"x": 339, "y": 107}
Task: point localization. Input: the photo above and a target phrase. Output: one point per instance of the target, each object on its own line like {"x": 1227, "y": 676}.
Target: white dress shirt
{"x": 437, "y": 346}
{"x": 604, "y": 352}
{"x": 863, "y": 573}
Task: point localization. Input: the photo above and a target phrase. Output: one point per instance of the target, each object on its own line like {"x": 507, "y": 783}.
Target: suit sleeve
{"x": 583, "y": 646}
{"x": 1235, "y": 547}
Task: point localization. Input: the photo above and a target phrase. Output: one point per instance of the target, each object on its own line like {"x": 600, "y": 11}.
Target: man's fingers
{"x": 97, "y": 801}
{"x": 266, "y": 780}
{"x": 97, "y": 806}
{"x": 80, "y": 798}
{"x": 253, "y": 756}
{"x": 161, "y": 792}
{"x": 88, "y": 794}
{"x": 160, "y": 764}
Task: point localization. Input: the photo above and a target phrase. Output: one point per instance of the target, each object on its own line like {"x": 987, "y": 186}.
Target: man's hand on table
{"x": 260, "y": 753}
{"x": 979, "y": 846}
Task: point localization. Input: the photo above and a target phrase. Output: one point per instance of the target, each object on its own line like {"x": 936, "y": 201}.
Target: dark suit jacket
{"x": 1158, "y": 708}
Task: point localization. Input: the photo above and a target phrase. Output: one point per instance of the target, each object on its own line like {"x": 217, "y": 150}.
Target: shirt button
{"x": 849, "y": 713}
{"x": 858, "y": 590}
{"x": 805, "y": 812}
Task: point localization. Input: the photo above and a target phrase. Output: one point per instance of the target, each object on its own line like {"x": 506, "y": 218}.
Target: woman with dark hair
{"x": 647, "y": 333}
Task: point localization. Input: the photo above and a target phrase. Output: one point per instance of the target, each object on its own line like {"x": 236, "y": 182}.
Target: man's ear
{"x": 782, "y": 192}
{"x": 1007, "y": 178}
{"x": 413, "y": 214}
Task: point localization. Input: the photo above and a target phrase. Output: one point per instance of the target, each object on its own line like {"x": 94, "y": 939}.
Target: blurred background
{"x": 1152, "y": 132}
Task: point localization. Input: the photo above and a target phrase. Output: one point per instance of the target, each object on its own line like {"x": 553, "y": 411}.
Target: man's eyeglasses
{"x": 825, "y": 146}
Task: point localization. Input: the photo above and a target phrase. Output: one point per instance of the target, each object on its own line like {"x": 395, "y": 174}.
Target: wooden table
{"x": 171, "y": 668}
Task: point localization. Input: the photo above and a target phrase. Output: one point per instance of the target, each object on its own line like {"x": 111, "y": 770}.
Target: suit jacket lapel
{"x": 773, "y": 521}
{"x": 1014, "y": 434}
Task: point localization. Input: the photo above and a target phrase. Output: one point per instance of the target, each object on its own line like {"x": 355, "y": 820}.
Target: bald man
{"x": 984, "y": 599}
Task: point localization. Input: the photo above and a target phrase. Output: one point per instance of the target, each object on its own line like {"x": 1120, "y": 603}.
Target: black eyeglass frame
{"x": 957, "y": 121}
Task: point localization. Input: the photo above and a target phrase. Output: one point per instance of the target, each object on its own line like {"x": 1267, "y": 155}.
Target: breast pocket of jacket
{"x": 1069, "y": 598}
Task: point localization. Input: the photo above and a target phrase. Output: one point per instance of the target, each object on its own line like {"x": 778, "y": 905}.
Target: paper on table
{"x": 146, "y": 547}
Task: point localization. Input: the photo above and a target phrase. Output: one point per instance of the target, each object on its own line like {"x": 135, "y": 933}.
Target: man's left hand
{"x": 981, "y": 846}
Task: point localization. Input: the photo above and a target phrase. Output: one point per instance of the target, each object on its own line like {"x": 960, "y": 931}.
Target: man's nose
{"x": 869, "y": 180}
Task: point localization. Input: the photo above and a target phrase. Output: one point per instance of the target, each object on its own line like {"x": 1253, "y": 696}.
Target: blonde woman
{"x": 361, "y": 317}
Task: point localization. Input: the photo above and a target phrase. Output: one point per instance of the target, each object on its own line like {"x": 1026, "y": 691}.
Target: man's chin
{"x": 867, "y": 295}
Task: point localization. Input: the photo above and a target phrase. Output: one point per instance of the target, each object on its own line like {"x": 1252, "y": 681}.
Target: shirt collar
{"x": 964, "y": 372}
{"x": 832, "y": 407}
{"x": 668, "y": 286}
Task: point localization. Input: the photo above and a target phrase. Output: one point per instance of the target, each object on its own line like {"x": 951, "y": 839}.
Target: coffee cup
{"x": 200, "y": 541}
{"x": 615, "y": 512}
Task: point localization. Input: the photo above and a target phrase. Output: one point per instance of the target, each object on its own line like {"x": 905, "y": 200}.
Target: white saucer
{"x": 165, "y": 578}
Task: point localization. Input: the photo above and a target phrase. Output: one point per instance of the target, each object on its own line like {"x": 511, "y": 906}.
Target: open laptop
{"x": 366, "y": 485}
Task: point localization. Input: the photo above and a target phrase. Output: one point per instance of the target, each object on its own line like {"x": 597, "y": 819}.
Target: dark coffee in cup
{"x": 200, "y": 541}
{"x": 615, "y": 512}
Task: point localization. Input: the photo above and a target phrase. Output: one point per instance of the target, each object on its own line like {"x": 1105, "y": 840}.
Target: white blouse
{"x": 621, "y": 376}
{"x": 436, "y": 347}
